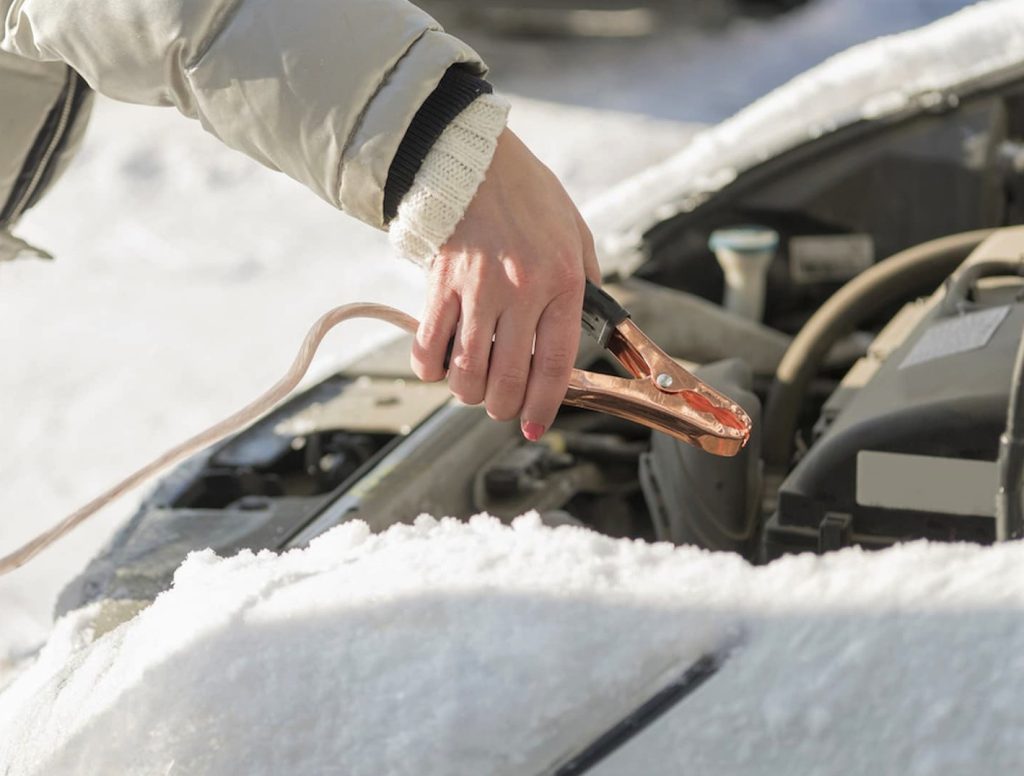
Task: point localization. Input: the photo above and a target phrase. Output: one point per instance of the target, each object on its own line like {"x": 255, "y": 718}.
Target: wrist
{"x": 448, "y": 179}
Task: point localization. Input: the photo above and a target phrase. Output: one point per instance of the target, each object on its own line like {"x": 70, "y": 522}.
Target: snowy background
{"x": 186, "y": 276}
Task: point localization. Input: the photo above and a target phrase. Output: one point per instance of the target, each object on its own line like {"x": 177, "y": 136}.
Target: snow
{"x": 875, "y": 79}
{"x": 457, "y": 648}
{"x": 433, "y": 648}
{"x": 907, "y": 661}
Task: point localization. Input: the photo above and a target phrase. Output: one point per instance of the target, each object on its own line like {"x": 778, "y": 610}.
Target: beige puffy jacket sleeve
{"x": 322, "y": 90}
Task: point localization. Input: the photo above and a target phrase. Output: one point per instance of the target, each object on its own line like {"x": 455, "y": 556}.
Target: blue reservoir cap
{"x": 744, "y": 239}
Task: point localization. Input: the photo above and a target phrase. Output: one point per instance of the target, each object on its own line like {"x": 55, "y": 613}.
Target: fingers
{"x": 467, "y": 373}
{"x": 558, "y": 338}
{"x": 435, "y": 332}
{"x": 491, "y": 359}
{"x": 509, "y": 368}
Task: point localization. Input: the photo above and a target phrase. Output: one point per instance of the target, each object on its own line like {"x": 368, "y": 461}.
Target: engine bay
{"x": 877, "y": 370}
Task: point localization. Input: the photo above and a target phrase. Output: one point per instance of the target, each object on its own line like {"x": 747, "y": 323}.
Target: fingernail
{"x": 532, "y": 431}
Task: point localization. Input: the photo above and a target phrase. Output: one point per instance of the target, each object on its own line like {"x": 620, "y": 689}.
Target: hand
{"x": 514, "y": 271}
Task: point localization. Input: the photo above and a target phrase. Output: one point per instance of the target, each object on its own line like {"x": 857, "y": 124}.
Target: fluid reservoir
{"x": 744, "y": 253}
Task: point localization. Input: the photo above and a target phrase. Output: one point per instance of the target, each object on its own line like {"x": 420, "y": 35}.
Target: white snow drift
{"x": 457, "y": 648}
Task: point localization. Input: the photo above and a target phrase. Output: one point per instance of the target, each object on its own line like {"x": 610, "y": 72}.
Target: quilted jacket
{"x": 323, "y": 90}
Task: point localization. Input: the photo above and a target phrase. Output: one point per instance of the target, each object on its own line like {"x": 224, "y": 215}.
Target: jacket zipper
{"x": 49, "y": 143}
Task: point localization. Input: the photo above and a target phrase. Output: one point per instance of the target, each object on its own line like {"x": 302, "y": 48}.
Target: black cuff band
{"x": 456, "y": 90}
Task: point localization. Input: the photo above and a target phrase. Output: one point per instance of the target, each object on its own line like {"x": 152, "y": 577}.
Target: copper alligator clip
{"x": 662, "y": 395}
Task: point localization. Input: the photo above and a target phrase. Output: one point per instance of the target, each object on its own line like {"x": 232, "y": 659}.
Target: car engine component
{"x": 906, "y": 447}
{"x": 713, "y": 503}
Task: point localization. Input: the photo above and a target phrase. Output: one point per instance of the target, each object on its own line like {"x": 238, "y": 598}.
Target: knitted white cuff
{"x": 448, "y": 179}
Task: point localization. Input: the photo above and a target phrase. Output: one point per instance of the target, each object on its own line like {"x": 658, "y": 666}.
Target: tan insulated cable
{"x": 262, "y": 404}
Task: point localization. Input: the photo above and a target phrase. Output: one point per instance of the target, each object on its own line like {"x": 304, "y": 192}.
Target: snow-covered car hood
{"x": 457, "y": 648}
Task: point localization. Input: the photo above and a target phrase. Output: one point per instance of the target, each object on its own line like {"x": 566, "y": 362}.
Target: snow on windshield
{"x": 481, "y": 648}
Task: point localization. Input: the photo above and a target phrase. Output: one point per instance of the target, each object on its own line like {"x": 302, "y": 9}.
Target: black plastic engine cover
{"x": 939, "y": 403}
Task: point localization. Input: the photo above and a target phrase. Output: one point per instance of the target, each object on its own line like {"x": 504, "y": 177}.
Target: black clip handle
{"x": 601, "y": 314}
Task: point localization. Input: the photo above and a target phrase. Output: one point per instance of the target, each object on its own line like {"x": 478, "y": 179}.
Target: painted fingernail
{"x": 532, "y": 431}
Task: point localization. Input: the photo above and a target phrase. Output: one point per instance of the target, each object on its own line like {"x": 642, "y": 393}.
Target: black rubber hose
{"x": 913, "y": 271}
{"x": 1010, "y": 464}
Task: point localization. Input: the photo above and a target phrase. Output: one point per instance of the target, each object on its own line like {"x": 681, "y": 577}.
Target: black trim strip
{"x": 628, "y": 727}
